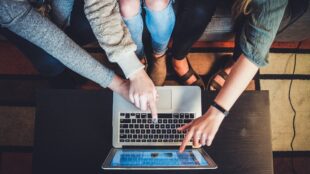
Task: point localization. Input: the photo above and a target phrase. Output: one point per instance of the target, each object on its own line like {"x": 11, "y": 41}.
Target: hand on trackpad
{"x": 164, "y": 99}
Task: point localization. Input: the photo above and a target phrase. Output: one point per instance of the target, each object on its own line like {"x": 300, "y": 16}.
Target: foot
{"x": 158, "y": 70}
{"x": 181, "y": 67}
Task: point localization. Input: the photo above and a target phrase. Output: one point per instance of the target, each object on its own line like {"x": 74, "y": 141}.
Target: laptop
{"x": 140, "y": 144}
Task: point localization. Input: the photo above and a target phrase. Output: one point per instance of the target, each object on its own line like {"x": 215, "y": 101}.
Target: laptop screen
{"x": 155, "y": 158}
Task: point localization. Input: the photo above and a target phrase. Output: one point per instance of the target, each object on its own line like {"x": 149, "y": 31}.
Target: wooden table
{"x": 73, "y": 134}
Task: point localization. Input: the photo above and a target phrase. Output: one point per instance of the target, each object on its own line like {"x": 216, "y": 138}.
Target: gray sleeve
{"x": 22, "y": 19}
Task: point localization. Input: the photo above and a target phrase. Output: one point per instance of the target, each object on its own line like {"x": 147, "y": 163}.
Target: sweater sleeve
{"x": 22, "y": 19}
{"x": 112, "y": 34}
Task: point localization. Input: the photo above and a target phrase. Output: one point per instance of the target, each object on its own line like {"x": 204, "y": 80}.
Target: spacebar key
{"x": 164, "y": 115}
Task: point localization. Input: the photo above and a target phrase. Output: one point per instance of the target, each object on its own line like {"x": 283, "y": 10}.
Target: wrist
{"x": 219, "y": 108}
{"x": 139, "y": 73}
{"x": 116, "y": 84}
{"x": 212, "y": 111}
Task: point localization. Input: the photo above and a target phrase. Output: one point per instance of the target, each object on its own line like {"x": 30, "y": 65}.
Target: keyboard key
{"x": 143, "y": 115}
{"x": 122, "y": 136}
{"x": 132, "y": 131}
{"x": 131, "y": 126}
{"x": 124, "y": 125}
{"x": 141, "y": 126}
{"x": 122, "y": 131}
{"x": 160, "y": 120}
{"x": 158, "y": 131}
{"x": 164, "y": 115}
{"x": 169, "y": 131}
{"x": 143, "y": 131}
{"x": 162, "y": 126}
{"x": 167, "y": 126}
{"x": 148, "y": 131}
{"x": 147, "y": 126}
{"x": 137, "y": 131}
{"x": 191, "y": 115}
{"x": 170, "y": 121}
{"x": 134, "y": 121}
{"x": 127, "y": 131}
{"x": 175, "y": 115}
{"x": 149, "y": 120}
{"x": 156, "y": 126}
{"x": 187, "y": 115}
{"x": 153, "y": 131}
{"x": 132, "y": 140}
{"x": 187, "y": 120}
{"x": 149, "y": 115}
{"x": 136, "y": 126}
{"x": 152, "y": 126}
{"x": 181, "y": 115}
{"x": 138, "y": 115}
{"x": 127, "y": 116}
{"x": 135, "y": 136}
{"x": 125, "y": 121}
{"x": 122, "y": 114}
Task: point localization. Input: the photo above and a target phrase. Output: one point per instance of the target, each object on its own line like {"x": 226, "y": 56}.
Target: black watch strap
{"x": 220, "y": 108}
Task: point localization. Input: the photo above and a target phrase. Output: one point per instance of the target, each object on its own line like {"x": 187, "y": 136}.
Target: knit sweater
{"x": 19, "y": 17}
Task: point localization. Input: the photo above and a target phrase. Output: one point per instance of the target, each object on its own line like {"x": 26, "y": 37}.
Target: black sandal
{"x": 199, "y": 82}
{"x": 212, "y": 83}
{"x": 222, "y": 73}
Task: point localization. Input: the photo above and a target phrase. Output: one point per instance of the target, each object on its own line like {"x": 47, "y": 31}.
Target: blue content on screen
{"x": 153, "y": 158}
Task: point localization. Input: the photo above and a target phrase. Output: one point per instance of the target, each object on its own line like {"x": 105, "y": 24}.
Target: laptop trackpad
{"x": 164, "y": 99}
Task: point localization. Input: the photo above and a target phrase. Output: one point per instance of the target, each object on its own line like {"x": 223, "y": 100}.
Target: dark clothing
{"x": 192, "y": 20}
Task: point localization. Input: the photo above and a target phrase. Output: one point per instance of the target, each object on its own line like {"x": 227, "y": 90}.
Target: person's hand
{"x": 203, "y": 129}
{"x": 142, "y": 92}
{"x": 120, "y": 86}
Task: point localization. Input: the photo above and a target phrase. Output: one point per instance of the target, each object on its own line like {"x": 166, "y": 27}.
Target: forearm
{"x": 30, "y": 25}
{"x": 240, "y": 76}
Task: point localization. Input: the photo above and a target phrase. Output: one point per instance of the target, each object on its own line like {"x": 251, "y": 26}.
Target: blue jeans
{"x": 160, "y": 25}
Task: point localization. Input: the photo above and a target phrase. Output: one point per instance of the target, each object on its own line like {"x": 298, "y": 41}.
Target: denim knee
{"x": 135, "y": 27}
{"x": 160, "y": 25}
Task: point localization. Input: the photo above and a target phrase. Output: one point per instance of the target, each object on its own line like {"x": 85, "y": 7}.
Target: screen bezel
{"x": 107, "y": 163}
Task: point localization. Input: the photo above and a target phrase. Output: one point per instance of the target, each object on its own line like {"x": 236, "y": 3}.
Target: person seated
{"x": 159, "y": 20}
{"x": 259, "y": 23}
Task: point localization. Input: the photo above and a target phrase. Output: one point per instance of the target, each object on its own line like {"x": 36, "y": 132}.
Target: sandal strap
{"x": 187, "y": 75}
{"x": 215, "y": 85}
{"x": 223, "y": 74}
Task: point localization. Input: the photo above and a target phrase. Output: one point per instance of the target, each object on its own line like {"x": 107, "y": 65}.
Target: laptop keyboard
{"x": 139, "y": 127}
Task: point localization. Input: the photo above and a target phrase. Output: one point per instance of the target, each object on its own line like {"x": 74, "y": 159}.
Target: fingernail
{"x": 154, "y": 120}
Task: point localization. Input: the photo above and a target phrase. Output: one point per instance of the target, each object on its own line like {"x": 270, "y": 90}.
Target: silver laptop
{"x": 140, "y": 144}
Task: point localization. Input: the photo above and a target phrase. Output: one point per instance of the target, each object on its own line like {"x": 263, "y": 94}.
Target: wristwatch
{"x": 220, "y": 108}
